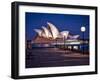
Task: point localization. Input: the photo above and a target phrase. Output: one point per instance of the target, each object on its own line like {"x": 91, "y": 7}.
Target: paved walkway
{"x": 52, "y": 57}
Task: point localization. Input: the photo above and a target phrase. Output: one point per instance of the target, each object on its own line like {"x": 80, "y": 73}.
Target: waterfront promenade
{"x": 54, "y": 57}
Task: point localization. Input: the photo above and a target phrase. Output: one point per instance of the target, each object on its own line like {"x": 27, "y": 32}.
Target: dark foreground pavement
{"x": 54, "y": 57}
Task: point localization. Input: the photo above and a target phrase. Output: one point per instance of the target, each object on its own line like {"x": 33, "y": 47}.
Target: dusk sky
{"x": 64, "y": 22}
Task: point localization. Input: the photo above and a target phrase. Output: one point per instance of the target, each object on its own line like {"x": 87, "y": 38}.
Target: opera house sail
{"x": 51, "y": 34}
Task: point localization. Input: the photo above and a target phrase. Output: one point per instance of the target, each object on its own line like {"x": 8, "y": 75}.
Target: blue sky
{"x": 69, "y": 22}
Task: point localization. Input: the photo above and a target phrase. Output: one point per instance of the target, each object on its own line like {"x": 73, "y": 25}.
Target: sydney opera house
{"x": 56, "y": 40}
{"x": 51, "y": 35}
{"x": 51, "y": 47}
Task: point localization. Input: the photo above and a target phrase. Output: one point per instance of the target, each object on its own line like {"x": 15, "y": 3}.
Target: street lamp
{"x": 56, "y": 42}
{"x": 83, "y": 29}
{"x": 64, "y": 35}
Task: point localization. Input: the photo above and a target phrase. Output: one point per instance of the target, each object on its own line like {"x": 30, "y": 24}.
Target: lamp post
{"x": 64, "y": 34}
{"x": 64, "y": 42}
{"x": 56, "y": 42}
{"x": 83, "y": 29}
